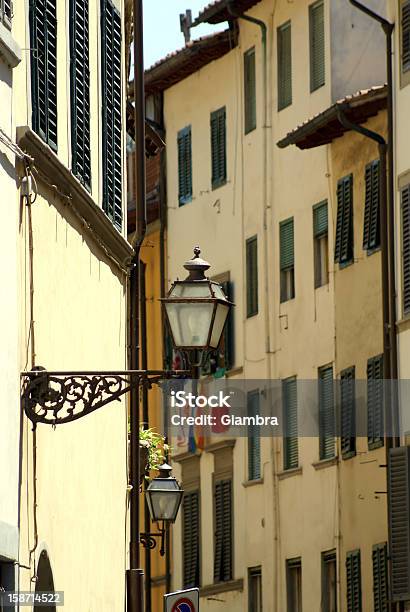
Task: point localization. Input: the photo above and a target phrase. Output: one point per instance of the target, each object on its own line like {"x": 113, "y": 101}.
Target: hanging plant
{"x": 153, "y": 449}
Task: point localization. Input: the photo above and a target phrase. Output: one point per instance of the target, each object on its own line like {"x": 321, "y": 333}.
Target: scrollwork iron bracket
{"x": 148, "y": 540}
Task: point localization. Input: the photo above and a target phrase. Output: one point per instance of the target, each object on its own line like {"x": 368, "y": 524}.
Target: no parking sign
{"x": 182, "y": 601}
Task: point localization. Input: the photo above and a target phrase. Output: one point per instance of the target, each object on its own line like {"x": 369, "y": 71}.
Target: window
{"x": 405, "y": 36}
{"x": 287, "y": 260}
{"x": 218, "y": 147}
{"x": 320, "y": 239}
{"x": 405, "y": 211}
{"x": 6, "y": 12}
{"x": 111, "y": 112}
{"x": 399, "y": 524}
{"x": 326, "y": 414}
{"x": 191, "y": 539}
{"x": 252, "y": 276}
{"x": 375, "y": 412}
{"x": 329, "y": 582}
{"x": 43, "y": 58}
{"x": 255, "y": 589}
{"x": 354, "y": 582}
{"x": 348, "y": 412}
{"x": 223, "y": 531}
{"x": 317, "y": 45}
{"x": 284, "y": 34}
{"x": 184, "y": 166}
{"x": 7, "y": 579}
{"x": 250, "y": 90}
{"x": 344, "y": 222}
{"x": 80, "y": 92}
{"x": 380, "y": 588}
{"x": 290, "y": 424}
{"x": 294, "y": 584}
{"x": 254, "y": 438}
{"x": 218, "y": 362}
{"x": 371, "y": 224}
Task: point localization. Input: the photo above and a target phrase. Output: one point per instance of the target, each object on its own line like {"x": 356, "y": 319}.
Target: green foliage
{"x": 155, "y": 443}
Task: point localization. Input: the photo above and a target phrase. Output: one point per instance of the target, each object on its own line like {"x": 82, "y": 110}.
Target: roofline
{"x": 217, "y": 12}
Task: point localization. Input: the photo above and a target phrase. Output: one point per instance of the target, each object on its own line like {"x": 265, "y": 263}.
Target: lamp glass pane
{"x": 218, "y": 291}
{"x": 191, "y": 290}
{"x": 219, "y": 322}
{"x": 190, "y": 323}
{"x": 164, "y": 498}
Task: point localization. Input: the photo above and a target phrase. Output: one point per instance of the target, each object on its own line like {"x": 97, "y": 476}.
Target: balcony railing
{"x": 6, "y": 12}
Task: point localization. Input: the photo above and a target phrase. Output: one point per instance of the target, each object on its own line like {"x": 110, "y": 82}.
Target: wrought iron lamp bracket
{"x": 148, "y": 540}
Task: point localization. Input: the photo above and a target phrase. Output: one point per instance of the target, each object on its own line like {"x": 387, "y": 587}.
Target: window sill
{"x": 290, "y": 472}
{"x": 221, "y": 587}
{"x": 324, "y": 463}
{"x": 375, "y": 445}
{"x": 9, "y": 49}
{"x": 252, "y": 483}
{"x": 404, "y": 323}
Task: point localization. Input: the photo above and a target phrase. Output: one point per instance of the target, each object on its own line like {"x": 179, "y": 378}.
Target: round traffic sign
{"x": 183, "y": 605}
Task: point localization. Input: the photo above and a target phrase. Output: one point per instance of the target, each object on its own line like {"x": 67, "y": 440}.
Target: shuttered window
{"x": 252, "y": 276}
{"x": 284, "y": 34}
{"x": 371, "y": 224}
{"x": 43, "y": 58}
{"x": 375, "y": 412}
{"x": 348, "y": 412}
{"x": 326, "y": 413}
{"x": 317, "y": 45}
{"x": 405, "y": 35}
{"x": 399, "y": 525}
{"x": 405, "y": 211}
{"x": 184, "y": 166}
{"x": 294, "y": 585}
{"x": 380, "y": 584}
{"x": 191, "y": 539}
{"x": 80, "y": 91}
{"x": 223, "y": 531}
{"x": 250, "y": 90}
{"x": 344, "y": 222}
{"x": 290, "y": 424}
{"x": 255, "y": 598}
{"x": 320, "y": 239}
{"x": 111, "y": 112}
{"x": 254, "y": 438}
{"x": 354, "y": 582}
{"x": 287, "y": 260}
{"x": 218, "y": 362}
{"x": 6, "y": 12}
{"x": 329, "y": 582}
{"x": 218, "y": 147}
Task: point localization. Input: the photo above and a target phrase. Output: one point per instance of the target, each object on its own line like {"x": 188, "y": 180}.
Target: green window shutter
{"x": 80, "y": 92}
{"x": 229, "y": 335}
{"x": 286, "y": 239}
{"x": 223, "y": 531}
{"x": 284, "y": 34}
{"x": 399, "y": 525}
{"x": 375, "y": 412}
{"x": 43, "y": 59}
{"x": 348, "y": 412}
{"x": 326, "y": 414}
{"x": 354, "y": 582}
{"x": 6, "y": 12}
{"x": 380, "y": 584}
{"x": 290, "y": 424}
{"x": 405, "y": 211}
{"x": 405, "y": 35}
{"x": 250, "y": 90}
{"x": 185, "y": 165}
{"x": 371, "y": 225}
{"x": 320, "y": 220}
{"x": 191, "y": 539}
{"x": 111, "y": 111}
{"x": 344, "y": 222}
{"x": 252, "y": 276}
{"x": 254, "y": 439}
{"x": 218, "y": 147}
{"x": 317, "y": 45}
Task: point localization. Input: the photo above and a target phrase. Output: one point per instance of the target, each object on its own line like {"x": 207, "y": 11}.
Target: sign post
{"x": 182, "y": 601}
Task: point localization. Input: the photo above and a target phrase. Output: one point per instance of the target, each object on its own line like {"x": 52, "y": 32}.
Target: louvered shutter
{"x": 254, "y": 440}
{"x": 399, "y": 524}
{"x": 326, "y": 414}
{"x": 348, "y": 412}
{"x": 250, "y": 90}
{"x": 344, "y": 223}
{"x": 284, "y": 34}
{"x": 290, "y": 420}
{"x": 405, "y": 207}
{"x": 371, "y": 225}
{"x": 218, "y": 147}
{"x": 191, "y": 539}
{"x": 43, "y": 58}
{"x": 223, "y": 531}
{"x": 185, "y": 165}
{"x": 354, "y": 582}
{"x": 111, "y": 112}
{"x": 317, "y": 45}
{"x": 229, "y": 335}
{"x": 380, "y": 586}
{"x": 320, "y": 220}
{"x": 287, "y": 249}
{"x": 6, "y": 11}
{"x": 405, "y": 35}
{"x": 80, "y": 91}
{"x": 375, "y": 412}
{"x": 251, "y": 276}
